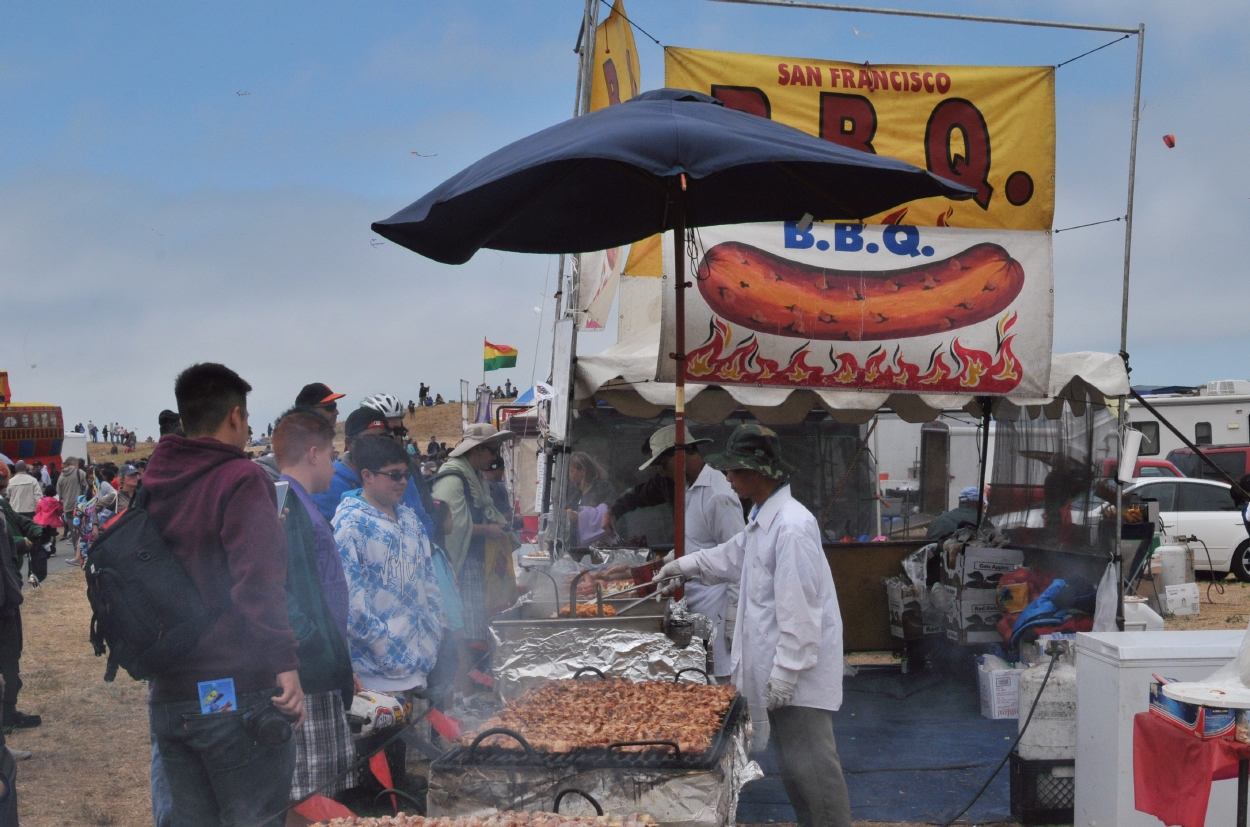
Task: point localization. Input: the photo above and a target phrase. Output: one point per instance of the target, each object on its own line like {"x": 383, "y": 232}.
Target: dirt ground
{"x": 91, "y": 755}
{"x": 1230, "y": 610}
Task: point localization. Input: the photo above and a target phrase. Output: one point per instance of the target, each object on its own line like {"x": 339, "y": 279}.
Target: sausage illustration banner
{"x": 867, "y": 307}
{"x": 934, "y": 296}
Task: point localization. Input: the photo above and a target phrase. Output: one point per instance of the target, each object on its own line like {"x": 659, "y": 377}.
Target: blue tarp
{"x": 913, "y": 748}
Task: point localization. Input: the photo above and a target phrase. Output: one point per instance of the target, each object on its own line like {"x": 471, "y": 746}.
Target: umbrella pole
{"x": 679, "y": 402}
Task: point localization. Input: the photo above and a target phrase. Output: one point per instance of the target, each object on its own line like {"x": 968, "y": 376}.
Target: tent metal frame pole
{"x": 556, "y": 489}
{"x": 987, "y": 410}
{"x": 973, "y": 18}
{"x": 679, "y": 382}
{"x": 1122, "y": 420}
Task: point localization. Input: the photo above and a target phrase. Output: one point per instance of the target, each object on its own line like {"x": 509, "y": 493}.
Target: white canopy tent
{"x": 623, "y": 376}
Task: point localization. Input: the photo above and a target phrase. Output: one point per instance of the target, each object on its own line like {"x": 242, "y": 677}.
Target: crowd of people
{"x": 371, "y": 575}
{"x": 378, "y": 568}
{"x": 117, "y": 434}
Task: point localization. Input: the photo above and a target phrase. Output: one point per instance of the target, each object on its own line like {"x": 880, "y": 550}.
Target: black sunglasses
{"x": 396, "y": 476}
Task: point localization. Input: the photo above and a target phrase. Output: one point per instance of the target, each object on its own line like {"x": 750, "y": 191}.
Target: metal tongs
{"x": 642, "y": 600}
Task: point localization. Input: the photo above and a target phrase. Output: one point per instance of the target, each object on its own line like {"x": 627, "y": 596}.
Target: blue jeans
{"x": 218, "y": 775}
{"x": 162, "y": 800}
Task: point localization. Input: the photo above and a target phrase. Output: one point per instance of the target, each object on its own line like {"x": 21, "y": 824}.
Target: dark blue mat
{"x": 913, "y": 748}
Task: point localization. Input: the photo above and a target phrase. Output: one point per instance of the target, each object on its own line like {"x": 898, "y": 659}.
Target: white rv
{"x": 1218, "y": 414}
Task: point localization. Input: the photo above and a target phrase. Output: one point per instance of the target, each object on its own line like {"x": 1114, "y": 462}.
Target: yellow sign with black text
{"x": 989, "y": 127}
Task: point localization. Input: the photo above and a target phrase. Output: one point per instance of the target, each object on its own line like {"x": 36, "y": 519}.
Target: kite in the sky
{"x": 1170, "y": 140}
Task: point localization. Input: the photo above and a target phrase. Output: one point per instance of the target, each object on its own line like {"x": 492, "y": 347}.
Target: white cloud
{"x": 112, "y": 289}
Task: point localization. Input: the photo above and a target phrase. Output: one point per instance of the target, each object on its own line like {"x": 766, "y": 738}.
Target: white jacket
{"x": 713, "y": 516}
{"x": 789, "y": 625}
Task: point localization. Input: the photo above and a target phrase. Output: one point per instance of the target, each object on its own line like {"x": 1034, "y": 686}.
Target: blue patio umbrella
{"x": 614, "y": 176}
{"x": 666, "y": 160}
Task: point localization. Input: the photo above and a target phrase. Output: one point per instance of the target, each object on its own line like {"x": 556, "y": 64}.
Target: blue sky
{"x": 151, "y": 215}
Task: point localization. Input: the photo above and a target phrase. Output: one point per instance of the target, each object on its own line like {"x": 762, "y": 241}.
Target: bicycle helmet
{"x": 385, "y": 404}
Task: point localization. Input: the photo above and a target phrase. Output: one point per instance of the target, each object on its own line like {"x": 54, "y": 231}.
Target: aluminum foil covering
{"x": 618, "y": 653}
{"x": 703, "y": 798}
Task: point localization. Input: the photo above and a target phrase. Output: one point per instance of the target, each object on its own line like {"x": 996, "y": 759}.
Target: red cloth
{"x": 1173, "y": 769}
{"x": 320, "y": 808}
{"x": 218, "y": 513}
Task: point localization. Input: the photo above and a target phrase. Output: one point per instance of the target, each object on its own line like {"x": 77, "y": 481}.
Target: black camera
{"x": 267, "y": 725}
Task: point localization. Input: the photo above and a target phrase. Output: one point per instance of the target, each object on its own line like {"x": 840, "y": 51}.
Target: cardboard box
{"x": 1204, "y": 721}
{"x": 999, "y": 690}
{"x": 1182, "y": 599}
{"x": 906, "y": 620}
{"x": 976, "y": 567}
{"x": 975, "y": 618}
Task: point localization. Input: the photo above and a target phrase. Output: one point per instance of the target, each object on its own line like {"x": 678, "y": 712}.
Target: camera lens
{"x": 267, "y": 725}
{"x": 273, "y": 730}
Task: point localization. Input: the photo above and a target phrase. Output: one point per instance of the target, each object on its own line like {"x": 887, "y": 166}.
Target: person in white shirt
{"x": 24, "y": 491}
{"x": 713, "y": 516}
{"x": 787, "y": 649}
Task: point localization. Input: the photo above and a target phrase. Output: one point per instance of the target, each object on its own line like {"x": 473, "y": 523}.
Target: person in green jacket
{"x": 22, "y": 533}
{"x": 316, "y": 601}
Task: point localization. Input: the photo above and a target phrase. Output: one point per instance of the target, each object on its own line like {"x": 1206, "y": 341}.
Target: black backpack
{"x": 145, "y": 610}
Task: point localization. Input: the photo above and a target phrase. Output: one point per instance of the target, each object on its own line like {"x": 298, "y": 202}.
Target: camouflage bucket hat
{"x": 753, "y": 448}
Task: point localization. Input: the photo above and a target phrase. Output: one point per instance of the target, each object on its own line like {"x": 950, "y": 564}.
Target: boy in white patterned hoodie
{"x": 395, "y": 621}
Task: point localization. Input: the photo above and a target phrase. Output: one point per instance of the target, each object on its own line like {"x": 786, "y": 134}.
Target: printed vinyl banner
{"x": 867, "y": 307}
{"x": 936, "y": 296}
{"x": 990, "y": 127}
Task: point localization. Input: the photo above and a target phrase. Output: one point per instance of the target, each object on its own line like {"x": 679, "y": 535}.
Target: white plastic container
{"x": 1176, "y": 563}
{"x": 1114, "y": 670}
{"x": 1051, "y": 735}
{"x": 1139, "y": 617}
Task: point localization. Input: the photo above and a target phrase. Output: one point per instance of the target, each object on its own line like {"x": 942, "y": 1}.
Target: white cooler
{"x": 1113, "y": 672}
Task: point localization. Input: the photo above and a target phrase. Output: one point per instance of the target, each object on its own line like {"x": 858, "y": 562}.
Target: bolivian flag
{"x": 498, "y": 356}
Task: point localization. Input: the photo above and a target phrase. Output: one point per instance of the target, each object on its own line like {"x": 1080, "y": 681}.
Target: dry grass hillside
{"x": 442, "y": 421}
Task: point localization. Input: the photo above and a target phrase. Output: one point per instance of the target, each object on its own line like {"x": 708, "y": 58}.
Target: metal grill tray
{"x": 664, "y": 755}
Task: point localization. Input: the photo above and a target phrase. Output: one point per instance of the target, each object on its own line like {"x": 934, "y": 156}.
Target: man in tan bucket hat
{"x": 475, "y": 522}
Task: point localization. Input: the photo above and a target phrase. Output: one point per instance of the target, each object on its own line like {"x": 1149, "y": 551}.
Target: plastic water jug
{"x": 1176, "y": 563}
{"x": 1139, "y": 617}
{"x": 1051, "y": 735}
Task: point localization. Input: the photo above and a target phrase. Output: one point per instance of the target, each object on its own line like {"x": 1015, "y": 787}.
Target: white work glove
{"x": 780, "y": 693}
{"x": 669, "y": 588}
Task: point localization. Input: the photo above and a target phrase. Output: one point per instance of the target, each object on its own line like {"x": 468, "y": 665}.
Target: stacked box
{"x": 979, "y": 568}
{"x": 906, "y": 615}
{"x": 975, "y": 618}
{"x": 971, "y": 577}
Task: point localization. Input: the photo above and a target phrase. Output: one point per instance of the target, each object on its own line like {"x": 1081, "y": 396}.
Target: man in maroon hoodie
{"x": 218, "y": 513}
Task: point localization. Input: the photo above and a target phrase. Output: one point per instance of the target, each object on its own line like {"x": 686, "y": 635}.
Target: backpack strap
{"x": 477, "y": 513}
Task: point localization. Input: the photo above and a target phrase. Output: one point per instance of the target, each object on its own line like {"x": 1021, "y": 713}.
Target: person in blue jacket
{"x": 360, "y": 423}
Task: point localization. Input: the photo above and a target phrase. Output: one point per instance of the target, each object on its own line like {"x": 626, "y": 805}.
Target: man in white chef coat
{"x": 713, "y": 516}
{"x": 787, "y": 647}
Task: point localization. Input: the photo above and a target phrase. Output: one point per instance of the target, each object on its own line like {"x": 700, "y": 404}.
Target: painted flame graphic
{"x": 949, "y": 368}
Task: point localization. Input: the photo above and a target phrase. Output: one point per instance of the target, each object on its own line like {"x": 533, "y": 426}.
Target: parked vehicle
{"x": 1203, "y": 509}
{"x": 1232, "y": 460}
{"x": 1144, "y": 468}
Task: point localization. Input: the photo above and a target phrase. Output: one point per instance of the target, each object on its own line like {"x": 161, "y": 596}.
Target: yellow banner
{"x": 616, "y": 73}
{"x": 990, "y": 127}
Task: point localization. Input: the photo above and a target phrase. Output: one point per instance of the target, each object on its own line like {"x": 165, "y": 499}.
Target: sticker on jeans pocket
{"x": 217, "y": 696}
